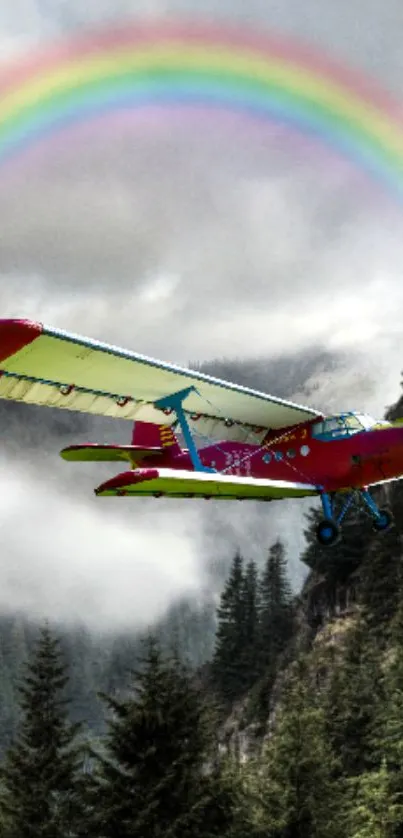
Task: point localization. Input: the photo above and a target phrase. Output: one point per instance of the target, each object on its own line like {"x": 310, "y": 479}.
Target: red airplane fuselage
{"x": 361, "y": 459}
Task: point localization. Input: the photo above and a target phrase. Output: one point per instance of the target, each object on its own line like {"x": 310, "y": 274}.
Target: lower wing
{"x": 177, "y": 483}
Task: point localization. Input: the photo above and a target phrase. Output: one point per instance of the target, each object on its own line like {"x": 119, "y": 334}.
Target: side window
{"x": 317, "y": 429}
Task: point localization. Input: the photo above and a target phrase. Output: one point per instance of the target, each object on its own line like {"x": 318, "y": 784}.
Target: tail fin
{"x": 149, "y": 435}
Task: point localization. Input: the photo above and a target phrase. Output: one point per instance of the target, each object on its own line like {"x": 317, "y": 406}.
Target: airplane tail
{"x": 148, "y": 435}
{"x": 148, "y": 441}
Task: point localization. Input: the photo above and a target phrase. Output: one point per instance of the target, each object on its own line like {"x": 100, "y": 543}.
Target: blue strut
{"x": 370, "y": 504}
{"x": 328, "y": 507}
{"x": 174, "y": 402}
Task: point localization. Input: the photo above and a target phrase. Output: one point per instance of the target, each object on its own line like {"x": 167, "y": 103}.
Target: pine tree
{"x": 390, "y": 726}
{"x": 152, "y": 780}
{"x": 387, "y": 731}
{"x": 381, "y": 579}
{"x": 251, "y": 628}
{"x": 228, "y": 662}
{"x": 276, "y": 615}
{"x": 40, "y": 775}
{"x": 375, "y": 810}
{"x": 352, "y": 699}
{"x": 275, "y": 628}
{"x": 297, "y": 794}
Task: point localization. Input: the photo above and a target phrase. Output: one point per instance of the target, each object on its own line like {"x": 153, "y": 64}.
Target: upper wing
{"x": 45, "y": 366}
{"x": 194, "y": 484}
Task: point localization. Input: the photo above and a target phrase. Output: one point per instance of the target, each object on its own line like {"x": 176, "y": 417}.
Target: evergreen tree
{"x": 275, "y": 629}
{"x": 387, "y": 733}
{"x": 381, "y": 578}
{"x": 389, "y": 727}
{"x": 40, "y": 775}
{"x": 276, "y": 614}
{"x": 251, "y": 628}
{"x": 352, "y": 699}
{"x": 294, "y": 789}
{"x": 228, "y": 661}
{"x": 375, "y": 810}
{"x": 152, "y": 780}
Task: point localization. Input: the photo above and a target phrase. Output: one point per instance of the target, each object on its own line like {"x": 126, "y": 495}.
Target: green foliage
{"x": 293, "y": 786}
{"x": 229, "y": 654}
{"x": 276, "y": 612}
{"x": 387, "y": 738}
{"x": 40, "y": 796}
{"x": 275, "y": 629}
{"x": 351, "y": 701}
{"x": 251, "y": 624}
{"x": 375, "y": 810}
{"x": 381, "y": 579}
{"x": 153, "y": 779}
{"x": 255, "y": 624}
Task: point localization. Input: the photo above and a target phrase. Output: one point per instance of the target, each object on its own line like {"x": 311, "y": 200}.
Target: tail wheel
{"x": 327, "y": 533}
{"x": 384, "y": 521}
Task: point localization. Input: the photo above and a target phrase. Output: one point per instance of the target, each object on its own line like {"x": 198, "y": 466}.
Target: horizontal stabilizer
{"x": 108, "y": 453}
{"x": 177, "y": 483}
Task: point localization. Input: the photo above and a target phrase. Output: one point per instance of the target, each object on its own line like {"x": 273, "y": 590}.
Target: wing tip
{"x": 121, "y": 482}
{"x": 16, "y": 334}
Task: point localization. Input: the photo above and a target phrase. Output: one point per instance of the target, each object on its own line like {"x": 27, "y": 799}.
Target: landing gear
{"x": 384, "y": 520}
{"x": 328, "y": 530}
{"x": 328, "y": 533}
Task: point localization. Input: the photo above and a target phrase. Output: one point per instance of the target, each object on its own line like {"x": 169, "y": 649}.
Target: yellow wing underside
{"x": 44, "y": 366}
{"x": 183, "y": 484}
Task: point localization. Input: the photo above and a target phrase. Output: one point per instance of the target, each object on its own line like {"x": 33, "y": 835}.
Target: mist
{"x": 234, "y": 246}
{"x": 68, "y": 560}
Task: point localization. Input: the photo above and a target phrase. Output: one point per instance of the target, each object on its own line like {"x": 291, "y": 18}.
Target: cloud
{"x": 369, "y": 41}
{"x": 74, "y": 561}
{"x": 187, "y": 238}
{"x": 239, "y": 248}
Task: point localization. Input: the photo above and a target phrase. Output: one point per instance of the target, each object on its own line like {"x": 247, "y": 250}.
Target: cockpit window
{"x": 341, "y": 426}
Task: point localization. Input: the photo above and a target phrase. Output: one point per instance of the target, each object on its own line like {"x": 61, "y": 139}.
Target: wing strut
{"x": 174, "y": 402}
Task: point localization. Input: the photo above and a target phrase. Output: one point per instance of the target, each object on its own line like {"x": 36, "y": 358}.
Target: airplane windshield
{"x": 368, "y": 422}
{"x": 342, "y": 426}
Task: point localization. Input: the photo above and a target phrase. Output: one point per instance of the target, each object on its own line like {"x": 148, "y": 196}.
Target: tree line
{"x": 329, "y": 760}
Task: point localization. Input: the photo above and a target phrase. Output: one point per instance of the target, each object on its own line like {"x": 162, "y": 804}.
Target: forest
{"x": 274, "y": 715}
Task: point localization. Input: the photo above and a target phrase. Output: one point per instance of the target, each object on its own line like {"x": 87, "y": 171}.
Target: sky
{"x": 188, "y": 245}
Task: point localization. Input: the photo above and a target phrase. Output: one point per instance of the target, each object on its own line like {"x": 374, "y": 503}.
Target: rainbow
{"x": 256, "y": 77}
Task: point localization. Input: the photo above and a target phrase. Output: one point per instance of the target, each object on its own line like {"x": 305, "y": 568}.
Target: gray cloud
{"x": 187, "y": 240}
{"x": 189, "y": 236}
{"x": 368, "y": 38}
{"x": 67, "y": 559}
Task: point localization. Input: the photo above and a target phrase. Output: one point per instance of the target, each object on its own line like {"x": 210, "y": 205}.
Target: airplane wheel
{"x": 327, "y": 533}
{"x": 384, "y": 522}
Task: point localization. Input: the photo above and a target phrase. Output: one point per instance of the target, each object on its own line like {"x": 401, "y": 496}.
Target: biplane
{"x": 196, "y": 436}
